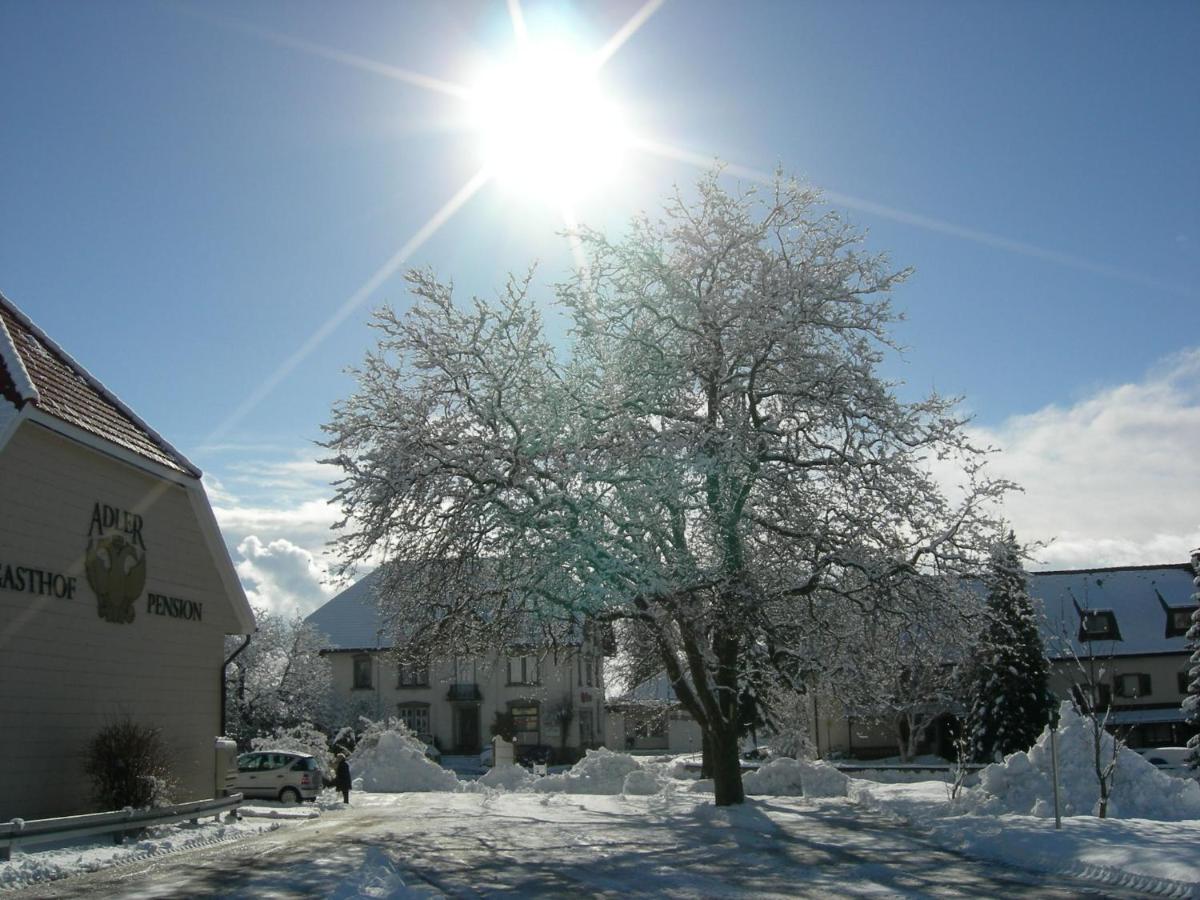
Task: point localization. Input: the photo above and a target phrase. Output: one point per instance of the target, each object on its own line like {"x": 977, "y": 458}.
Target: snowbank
{"x": 604, "y": 772}
{"x": 395, "y": 761}
{"x": 35, "y": 864}
{"x": 790, "y": 777}
{"x": 1022, "y": 783}
{"x": 504, "y": 778}
{"x": 1138, "y": 854}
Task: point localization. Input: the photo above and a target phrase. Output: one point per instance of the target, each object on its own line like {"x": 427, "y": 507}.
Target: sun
{"x": 547, "y": 129}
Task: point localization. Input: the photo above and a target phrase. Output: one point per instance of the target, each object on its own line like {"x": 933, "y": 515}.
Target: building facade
{"x": 116, "y": 590}
{"x": 1116, "y": 635}
{"x": 555, "y": 697}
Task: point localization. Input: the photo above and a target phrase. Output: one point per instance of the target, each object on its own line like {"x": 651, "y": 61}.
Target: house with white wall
{"x": 1116, "y": 634}
{"x": 116, "y": 589}
{"x": 554, "y": 695}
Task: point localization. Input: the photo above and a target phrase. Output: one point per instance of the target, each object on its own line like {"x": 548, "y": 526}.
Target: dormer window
{"x": 1098, "y": 625}
{"x": 1179, "y": 620}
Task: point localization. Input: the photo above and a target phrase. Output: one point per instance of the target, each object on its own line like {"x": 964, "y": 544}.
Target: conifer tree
{"x": 1191, "y": 703}
{"x": 1010, "y": 698}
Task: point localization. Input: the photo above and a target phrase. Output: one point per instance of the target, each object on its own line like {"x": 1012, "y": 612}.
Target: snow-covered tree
{"x": 709, "y": 452}
{"x": 302, "y": 738}
{"x": 280, "y": 680}
{"x": 1191, "y": 703}
{"x": 916, "y": 662}
{"x": 1091, "y": 696}
{"x": 1010, "y": 693}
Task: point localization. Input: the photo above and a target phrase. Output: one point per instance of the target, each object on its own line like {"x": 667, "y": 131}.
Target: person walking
{"x": 341, "y": 777}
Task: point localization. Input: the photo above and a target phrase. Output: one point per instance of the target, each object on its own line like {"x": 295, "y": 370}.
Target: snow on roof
{"x": 35, "y": 370}
{"x": 351, "y": 620}
{"x": 1135, "y": 595}
{"x": 15, "y": 384}
{"x": 1145, "y": 716}
{"x": 1131, "y": 593}
{"x": 653, "y": 690}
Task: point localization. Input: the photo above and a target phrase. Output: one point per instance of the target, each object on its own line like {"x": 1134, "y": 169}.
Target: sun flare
{"x": 547, "y": 128}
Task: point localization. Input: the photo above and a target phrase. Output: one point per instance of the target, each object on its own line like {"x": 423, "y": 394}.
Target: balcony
{"x": 464, "y": 693}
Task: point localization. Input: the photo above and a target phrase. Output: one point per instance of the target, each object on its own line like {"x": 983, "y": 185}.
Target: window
{"x": 1083, "y": 697}
{"x": 413, "y": 676}
{"x": 464, "y": 670}
{"x": 588, "y": 668}
{"x": 1157, "y": 735}
{"x": 415, "y": 716}
{"x": 362, "y": 672}
{"x": 249, "y": 762}
{"x": 1098, "y": 625}
{"x": 1133, "y": 684}
{"x": 1179, "y": 620}
{"x": 525, "y": 721}
{"x": 523, "y": 669}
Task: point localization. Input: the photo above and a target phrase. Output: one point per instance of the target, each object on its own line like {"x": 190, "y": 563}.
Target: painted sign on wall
{"x": 115, "y": 561}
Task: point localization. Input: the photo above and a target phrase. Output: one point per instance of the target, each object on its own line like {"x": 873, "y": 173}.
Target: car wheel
{"x": 289, "y": 795}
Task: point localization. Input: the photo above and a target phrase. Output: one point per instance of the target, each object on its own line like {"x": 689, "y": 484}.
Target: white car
{"x": 1172, "y": 760}
{"x": 278, "y": 775}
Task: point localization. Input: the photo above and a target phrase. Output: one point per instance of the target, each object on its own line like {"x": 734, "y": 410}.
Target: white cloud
{"x": 1113, "y": 478}
{"x": 282, "y": 576}
{"x": 277, "y": 523}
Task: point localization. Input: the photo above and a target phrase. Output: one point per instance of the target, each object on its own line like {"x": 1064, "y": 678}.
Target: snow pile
{"x": 604, "y": 772}
{"x": 682, "y": 769}
{"x": 642, "y": 783}
{"x": 1022, "y": 784}
{"x": 395, "y": 761}
{"x": 277, "y": 812}
{"x": 504, "y": 778}
{"x": 791, "y": 777}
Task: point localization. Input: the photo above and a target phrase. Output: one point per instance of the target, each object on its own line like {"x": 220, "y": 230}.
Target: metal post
{"x": 1054, "y": 775}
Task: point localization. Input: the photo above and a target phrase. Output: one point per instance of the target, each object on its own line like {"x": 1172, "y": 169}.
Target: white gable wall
{"x": 64, "y": 671}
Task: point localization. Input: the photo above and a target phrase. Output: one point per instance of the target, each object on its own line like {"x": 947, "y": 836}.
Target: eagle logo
{"x": 117, "y": 573}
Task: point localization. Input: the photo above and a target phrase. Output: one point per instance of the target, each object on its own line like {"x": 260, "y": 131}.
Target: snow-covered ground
{"x": 1141, "y": 854}
{"x": 46, "y": 862}
{"x": 617, "y": 823}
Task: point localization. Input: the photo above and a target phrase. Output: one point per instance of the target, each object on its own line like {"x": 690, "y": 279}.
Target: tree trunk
{"x": 727, "y": 767}
{"x": 902, "y": 732}
{"x": 706, "y": 756}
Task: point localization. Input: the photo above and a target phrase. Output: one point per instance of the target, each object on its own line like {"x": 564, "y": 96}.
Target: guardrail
{"x": 20, "y": 832}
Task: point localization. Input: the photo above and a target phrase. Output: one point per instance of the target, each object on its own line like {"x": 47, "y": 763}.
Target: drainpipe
{"x": 224, "y": 669}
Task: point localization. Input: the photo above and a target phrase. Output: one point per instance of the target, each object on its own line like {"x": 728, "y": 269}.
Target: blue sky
{"x": 190, "y": 191}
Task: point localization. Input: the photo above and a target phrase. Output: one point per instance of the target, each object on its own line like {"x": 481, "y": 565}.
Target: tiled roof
{"x": 58, "y": 386}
